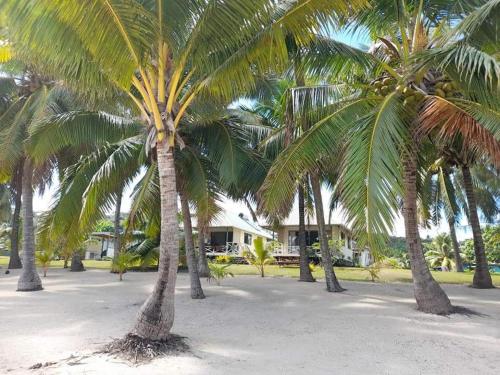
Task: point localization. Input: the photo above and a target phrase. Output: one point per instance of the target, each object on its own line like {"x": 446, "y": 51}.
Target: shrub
{"x": 123, "y": 261}
{"x": 218, "y": 272}
{"x": 260, "y": 257}
{"x": 44, "y": 258}
{"x": 373, "y": 270}
{"x": 223, "y": 259}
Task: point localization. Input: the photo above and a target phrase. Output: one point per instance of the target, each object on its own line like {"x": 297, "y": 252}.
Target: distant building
{"x": 232, "y": 234}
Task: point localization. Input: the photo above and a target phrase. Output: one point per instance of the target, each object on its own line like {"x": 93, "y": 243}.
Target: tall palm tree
{"x": 202, "y": 167}
{"x": 274, "y": 111}
{"x": 165, "y": 54}
{"x": 16, "y": 193}
{"x": 9, "y": 94}
{"x": 383, "y": 116}
{"x": 439, "y": 195}
{"x": 35, "y": 99}
{"x": 446, "y": 193}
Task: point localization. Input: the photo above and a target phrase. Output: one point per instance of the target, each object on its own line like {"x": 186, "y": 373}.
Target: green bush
{"x": 123, "y": 261}
{"x": 218, "y": 272}
{"x": 223, "y": 259}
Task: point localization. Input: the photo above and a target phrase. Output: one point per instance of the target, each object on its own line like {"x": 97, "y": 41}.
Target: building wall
{"x": 95, "y": 247}
{"x": 238, "y": 236}
{"x": 334, "y": 232}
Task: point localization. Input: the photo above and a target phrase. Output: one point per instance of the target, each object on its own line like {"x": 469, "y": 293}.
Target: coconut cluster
{"x": 445, "y": 88}
{"x": 414, "y": 94}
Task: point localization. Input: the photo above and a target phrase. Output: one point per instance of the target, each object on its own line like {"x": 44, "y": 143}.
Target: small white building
{"x": 100, "y": 245}
{"x": 232, "y": 234}
{"x": 287, "y": 234}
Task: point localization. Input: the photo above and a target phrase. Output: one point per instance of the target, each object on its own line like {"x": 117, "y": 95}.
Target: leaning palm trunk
{"x": 482, "y": 277}
{"x": 428, "y": 294}
{"x": 305, "y": 271}
{"x": 332, "y": 284}
{"x": 203, "y": 269}
{"x": 456, "y": 249}
{"x": 156, "y": 317}
{"x": 29, "y": 279}
{"x": 117, "y": 243}
{"x": 194, "y": 277}
{"x": 15, "y": 260}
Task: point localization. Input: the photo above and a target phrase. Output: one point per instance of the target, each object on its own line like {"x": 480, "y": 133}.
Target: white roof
{"x": 227, "y": 219}
{"x": 337, "y": 218}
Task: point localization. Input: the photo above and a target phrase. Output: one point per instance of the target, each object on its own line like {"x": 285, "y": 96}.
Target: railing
{"x": 230, "y": 248}
{"x": 293, "y": 250}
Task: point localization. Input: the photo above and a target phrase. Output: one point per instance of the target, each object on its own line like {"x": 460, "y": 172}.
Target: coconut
{"x": 440, "y": 93}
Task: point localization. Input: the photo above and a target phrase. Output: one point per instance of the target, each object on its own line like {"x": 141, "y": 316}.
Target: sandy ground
{"x": 249, "y": 326}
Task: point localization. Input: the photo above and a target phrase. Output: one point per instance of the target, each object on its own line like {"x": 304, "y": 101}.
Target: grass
{"x": 343, "y": 273}
{"x": 89, "y": 263}
{"x": 359, "y": 274}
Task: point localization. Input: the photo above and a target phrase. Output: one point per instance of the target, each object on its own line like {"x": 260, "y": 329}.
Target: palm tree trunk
{"x": 252, "y": 211}
{"x": 29, "y": 279}
{"x": 456, "y": 249}
{"x": 156, "y": 317}
{"x": 305, "y": 271}
{"x": 194, "y": 277}
{"x": 76, "y": 263}
{"x": 203, "y": 269}
{"x": 482, "y": 277}
{"x": 332, "y": 284}
{"x": 428, "y": 294}
{"x": 117, "y": 242}
{"x": 15, "y": 260}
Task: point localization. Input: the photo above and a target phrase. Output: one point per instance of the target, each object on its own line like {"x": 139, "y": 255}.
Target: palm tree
{"x": 439, "y": 195}
{"x": 100, "y": 176}
{"x": 5, "y": 209}
{"x": 260, "y": 257}
{"x": 274, "y": 111}
{"x": 446, "y": 191}
{"x": 439, "y": 253}
{"x": 16, "y": 192}
{"x": 116, "y": 224}
{"x": 384, "y": 115}
{"x": 36, "y": 98}
{"x": 164, "y": 54}
{"x": 9, "y": 95}
{"x": 44, "y": 258}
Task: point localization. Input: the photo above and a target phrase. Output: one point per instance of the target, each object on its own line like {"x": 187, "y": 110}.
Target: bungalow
{"x": 287, "y": 234}
{"x": 232, "y": 234}
{"x": 100, "y": 245}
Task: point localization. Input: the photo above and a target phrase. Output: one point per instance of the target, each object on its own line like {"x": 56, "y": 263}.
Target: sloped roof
{"x": 229, "y": 219}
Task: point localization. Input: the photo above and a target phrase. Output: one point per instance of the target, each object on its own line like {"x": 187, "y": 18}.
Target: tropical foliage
{"x": 440, "y": 252}
{"x": 123, "y": 262}
{"x": 491, "y": 236}
{"x": 103, "y": 93}
{"x": 219, "y": 272}
{"x": 44, "y": 258}
{"x": 260, "y": 256}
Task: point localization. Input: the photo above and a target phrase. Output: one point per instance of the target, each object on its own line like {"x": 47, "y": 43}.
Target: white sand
{"x": 249, "y": 326}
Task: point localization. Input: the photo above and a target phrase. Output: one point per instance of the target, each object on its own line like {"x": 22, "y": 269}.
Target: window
{"x": 312, "y": 236}
{"x": 247, "y": 238}
{"x": 220, "y": 238}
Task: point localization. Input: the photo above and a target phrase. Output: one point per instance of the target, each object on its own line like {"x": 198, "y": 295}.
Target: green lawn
{"x": 103, "y": 264}
{"x": 343, "y": 273}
